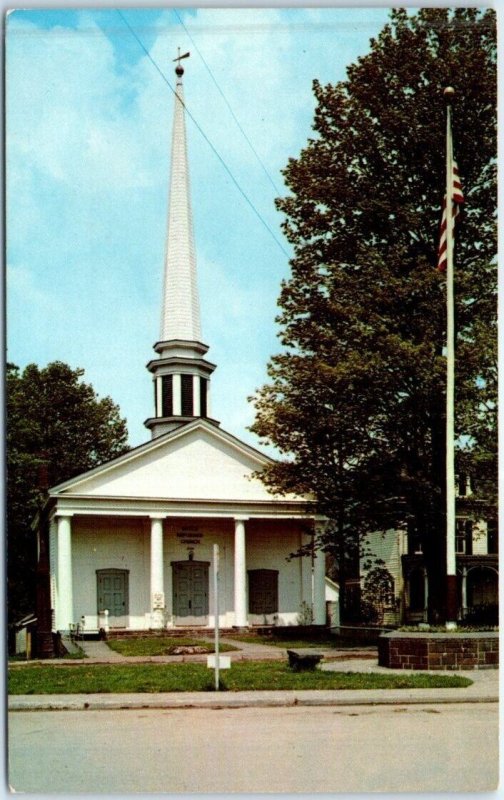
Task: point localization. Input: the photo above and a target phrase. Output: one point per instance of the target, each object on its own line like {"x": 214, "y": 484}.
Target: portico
{"x": 141, "y": 543}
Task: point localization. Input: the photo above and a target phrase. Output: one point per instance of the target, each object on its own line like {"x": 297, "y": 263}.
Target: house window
{"x": 463, "y": 536}
{"x": 187, "y": 396}
{"x": 263, "y": 591}
{"x": 414, "y": 539}
{"x": 167, "y": 395}
{"x": 493, "y": 537}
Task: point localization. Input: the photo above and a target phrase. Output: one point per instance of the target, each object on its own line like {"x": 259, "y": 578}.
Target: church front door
{"x": 190, "y": 592}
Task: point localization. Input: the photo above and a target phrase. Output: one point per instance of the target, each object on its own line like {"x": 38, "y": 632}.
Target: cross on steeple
{"x": 178, "y": 69}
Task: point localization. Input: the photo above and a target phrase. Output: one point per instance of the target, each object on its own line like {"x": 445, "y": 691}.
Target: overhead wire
{"x": 205, "y": 137}
{"x": 240, "y": 128}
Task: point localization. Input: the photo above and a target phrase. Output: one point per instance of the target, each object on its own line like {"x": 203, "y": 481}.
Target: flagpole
{"x": 451, "y": 575}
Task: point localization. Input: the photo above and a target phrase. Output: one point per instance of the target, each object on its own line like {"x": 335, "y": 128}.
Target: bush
{"x": 483, "y": 614}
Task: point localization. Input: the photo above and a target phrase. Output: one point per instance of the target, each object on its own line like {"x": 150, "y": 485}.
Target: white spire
{"x": 181, "y": 374}
{"x": 180, "y": 317}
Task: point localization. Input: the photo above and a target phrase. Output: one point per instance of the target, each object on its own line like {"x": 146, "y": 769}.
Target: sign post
{"x": 216, "y": 611}
{"x": 215, "y": 660}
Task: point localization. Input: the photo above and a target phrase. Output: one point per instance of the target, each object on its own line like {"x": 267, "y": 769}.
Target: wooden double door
{"x": 190, "y": 592}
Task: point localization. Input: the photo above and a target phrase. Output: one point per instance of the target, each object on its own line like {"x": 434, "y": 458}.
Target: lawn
{"x": 117, "y": 678}
{"x": 160, "y": 645}
{"x": 289, "y": 644}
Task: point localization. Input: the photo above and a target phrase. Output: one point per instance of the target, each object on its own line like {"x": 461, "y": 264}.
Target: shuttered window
{"x": 187, "y": 396}
{"x": 167, "y": 395}
{"x": 263, "y": 591}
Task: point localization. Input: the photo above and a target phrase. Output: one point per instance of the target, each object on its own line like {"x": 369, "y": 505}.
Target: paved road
{"x": 401, "y": 748}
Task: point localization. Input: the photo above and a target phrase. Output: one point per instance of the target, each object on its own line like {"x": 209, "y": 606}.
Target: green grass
{"x": 287, "y": 644}
{"x": 160, "y": 645}
{"x": 116, "y": 678}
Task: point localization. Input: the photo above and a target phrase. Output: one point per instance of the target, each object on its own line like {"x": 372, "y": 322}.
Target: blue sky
{"x": 88, "y": 123}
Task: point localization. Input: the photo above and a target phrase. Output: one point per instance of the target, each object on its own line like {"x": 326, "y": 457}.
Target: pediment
{"x": 196, "y": 462}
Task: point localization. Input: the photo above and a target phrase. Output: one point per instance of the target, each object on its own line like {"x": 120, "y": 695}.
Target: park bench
{"x": 303, "y": 659}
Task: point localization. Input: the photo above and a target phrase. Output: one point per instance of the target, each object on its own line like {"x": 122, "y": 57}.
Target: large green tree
{"x": 356, "y": 398}
{"x": 57, "y": 427}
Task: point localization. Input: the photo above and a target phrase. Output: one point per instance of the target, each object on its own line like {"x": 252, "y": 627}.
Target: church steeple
{"x": 180, "y": 317}
{"x": 180, "y": 373}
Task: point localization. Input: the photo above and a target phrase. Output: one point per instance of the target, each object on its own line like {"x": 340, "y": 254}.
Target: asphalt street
{"x": 396, "y": 748}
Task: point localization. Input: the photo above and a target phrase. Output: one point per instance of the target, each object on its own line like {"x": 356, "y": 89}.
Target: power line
{"x": 228, "y": 104}
{"x": 203, "y": 134}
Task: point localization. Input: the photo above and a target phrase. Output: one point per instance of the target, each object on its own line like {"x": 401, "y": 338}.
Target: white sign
{"x": 158, "y": 600}
{"x": 224, "y": 661}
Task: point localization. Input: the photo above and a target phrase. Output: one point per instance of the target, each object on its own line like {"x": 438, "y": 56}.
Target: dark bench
{"x": 303, "y": 659}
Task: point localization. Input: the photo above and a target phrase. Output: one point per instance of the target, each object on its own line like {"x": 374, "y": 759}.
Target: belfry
{"x": 180, "y": 373}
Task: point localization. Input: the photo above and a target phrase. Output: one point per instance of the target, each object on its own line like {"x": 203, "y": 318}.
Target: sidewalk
{"x": 98, "y": 652}
{"x": 484, "y": 689}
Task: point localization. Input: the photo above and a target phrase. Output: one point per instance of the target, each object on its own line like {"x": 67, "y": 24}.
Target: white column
{"x": 159, "y": 396}
{"x": 177, "y": 395}
{"x": 196, "y": 396}
{"x": 53, "y": 566}
{"x": 319, "y": 606}
{"x": 240, "y": 574}
{"x": 305, "y": 566}
{"x": 464, "y": 591}
{"x": 156, "y": 577}
{"x": 64, "y": 609}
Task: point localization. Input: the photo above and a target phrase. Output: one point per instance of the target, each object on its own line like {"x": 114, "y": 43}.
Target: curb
{"x": 224, "y": 700}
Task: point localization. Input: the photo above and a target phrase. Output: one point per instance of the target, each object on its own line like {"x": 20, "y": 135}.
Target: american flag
{"x": 457, "y": 199}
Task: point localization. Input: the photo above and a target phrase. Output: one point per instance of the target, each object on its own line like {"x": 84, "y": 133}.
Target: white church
{"x": 130, "y": 543}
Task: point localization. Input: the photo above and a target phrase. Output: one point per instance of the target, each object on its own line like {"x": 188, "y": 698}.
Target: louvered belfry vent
{"x": 203, "y": 397}
{"x": 187, "y": 396}
{"x": 167, "y": 395}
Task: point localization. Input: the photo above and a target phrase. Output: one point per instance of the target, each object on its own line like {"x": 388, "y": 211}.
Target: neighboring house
{"x": 129, "y": 545}
{"x": 402, "y": 591}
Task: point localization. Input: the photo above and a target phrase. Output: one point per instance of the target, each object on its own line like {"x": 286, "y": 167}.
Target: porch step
{"x": 118, "y": 633}
{"x": 279, "y": 631}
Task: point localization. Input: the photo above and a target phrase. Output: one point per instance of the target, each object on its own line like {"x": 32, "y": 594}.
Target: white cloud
{"x": 66, "y": 112}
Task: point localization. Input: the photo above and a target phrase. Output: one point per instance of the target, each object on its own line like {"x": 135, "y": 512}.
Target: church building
{"x": 128, "y": 545}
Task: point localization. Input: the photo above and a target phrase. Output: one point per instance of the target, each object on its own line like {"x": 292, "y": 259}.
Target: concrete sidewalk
{"x": 98, "y": 652}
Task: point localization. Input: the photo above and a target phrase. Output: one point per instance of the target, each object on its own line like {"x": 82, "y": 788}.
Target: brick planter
{"x": 439, "y": 651}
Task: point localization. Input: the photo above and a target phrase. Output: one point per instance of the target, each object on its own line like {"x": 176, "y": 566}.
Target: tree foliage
{"x": 356, "y": 397}
{"x": 57, "y": 427}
